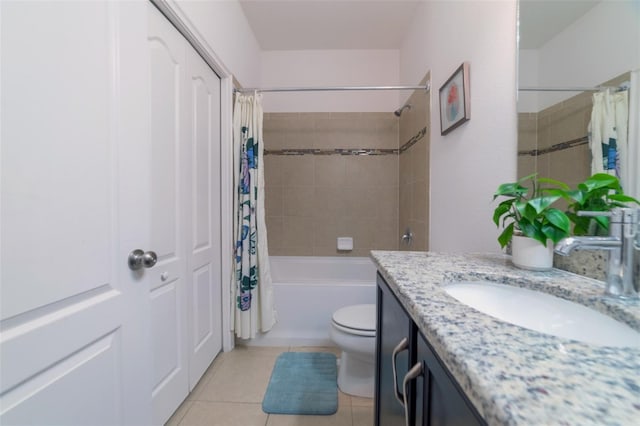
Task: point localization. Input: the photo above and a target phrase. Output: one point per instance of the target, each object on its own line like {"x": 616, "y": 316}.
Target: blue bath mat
{"x": 302, "y": 383}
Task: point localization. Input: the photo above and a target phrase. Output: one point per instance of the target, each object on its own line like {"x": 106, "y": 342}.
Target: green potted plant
{"x": 529, "y": 220}
{"x": 599, "y": 193}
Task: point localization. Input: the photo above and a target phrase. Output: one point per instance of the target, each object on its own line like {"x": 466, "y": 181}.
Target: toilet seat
{"x": 359, "y": 320}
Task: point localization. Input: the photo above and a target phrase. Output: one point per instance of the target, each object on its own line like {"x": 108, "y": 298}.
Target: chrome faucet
{"x": 623, "y": 245}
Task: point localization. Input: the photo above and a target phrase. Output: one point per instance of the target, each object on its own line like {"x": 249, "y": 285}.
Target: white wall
{"x": 223, "y": 25}
{"x": 599, "y": 46}
{"x": 330, "y": 68}
{"x": 468, "y": 164}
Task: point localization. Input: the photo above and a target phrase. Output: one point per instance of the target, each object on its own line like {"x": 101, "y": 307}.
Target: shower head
{"x": 398, "y": 112}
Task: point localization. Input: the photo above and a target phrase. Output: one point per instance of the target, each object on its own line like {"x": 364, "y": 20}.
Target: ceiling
{"x": 540, "y": 21}
{"x": 312, "y": 24}
{"x": 380, "y": 24}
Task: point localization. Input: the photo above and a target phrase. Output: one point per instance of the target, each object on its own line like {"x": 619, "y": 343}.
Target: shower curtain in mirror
{"x": 614, "y": 134}
{"x": 252, "y": 289}
{"x": 631, "y": 181}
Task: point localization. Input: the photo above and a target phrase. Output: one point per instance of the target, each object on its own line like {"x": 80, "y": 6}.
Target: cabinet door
{"x": 439, "y": 401}
{"x": 393, "y": 325}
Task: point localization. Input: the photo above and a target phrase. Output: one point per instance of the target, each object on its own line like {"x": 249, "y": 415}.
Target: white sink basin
{"x": 544, "y": 313}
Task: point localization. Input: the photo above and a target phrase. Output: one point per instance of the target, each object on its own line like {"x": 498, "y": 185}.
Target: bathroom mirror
{"x": 568, "y": 45}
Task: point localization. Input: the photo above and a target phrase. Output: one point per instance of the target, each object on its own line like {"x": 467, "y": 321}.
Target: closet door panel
{"x": 202, "y": 170}
{"x": 203, "y": 313}
{"x": 167, "y": 292}
{"x": 205, "y": 328}
{"x": 166, "y": 355}
{"x": 165, "y": 134}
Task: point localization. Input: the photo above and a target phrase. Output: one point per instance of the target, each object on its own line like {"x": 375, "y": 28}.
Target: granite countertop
{"x": 512, "y": 375}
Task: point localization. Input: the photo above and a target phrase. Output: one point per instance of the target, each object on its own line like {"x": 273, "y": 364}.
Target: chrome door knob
{"x": 139, "y": 259}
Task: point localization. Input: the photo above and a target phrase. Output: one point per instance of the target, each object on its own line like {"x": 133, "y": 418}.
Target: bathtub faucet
{"x": 623, "y": 245}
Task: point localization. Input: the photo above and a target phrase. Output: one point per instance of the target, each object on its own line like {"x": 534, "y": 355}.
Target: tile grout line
{"x": 214, "y": 367}
{"x": 189, "y": 406}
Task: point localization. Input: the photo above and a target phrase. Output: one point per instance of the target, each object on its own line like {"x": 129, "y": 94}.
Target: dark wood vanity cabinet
{"x": 439, "y": 400}
{"x": 393, "y": 328}
{"x": 433, "y": 397}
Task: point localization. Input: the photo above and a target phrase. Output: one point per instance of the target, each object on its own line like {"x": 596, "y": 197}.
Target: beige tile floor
{"x": 230, "y": 394}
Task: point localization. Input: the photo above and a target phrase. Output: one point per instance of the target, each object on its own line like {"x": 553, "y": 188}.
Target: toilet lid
{"x": 356, "y": 317}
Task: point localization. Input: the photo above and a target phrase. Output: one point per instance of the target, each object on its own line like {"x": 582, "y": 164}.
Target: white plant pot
{"x": 528, "y": 253}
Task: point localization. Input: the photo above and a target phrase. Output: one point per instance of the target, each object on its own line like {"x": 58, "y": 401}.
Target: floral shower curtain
{"x": 632, "y": 177}
{"x": 252, "y": 289}
{"x": 608, "y": 131}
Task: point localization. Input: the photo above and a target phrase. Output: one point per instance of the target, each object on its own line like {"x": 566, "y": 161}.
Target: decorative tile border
{"x": 346, "y": 151}
{"x": 413, "y": 140}
{"x": 557, "y": 147}
{"x": 337, "y": 151}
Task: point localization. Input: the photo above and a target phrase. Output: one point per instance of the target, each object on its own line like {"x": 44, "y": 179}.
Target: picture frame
{"x": 455, "y": 101}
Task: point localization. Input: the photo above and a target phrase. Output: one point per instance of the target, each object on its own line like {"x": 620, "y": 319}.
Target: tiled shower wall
{"x": 562, "y": 122}
{"x": 311, "y": 200}
{"x": 414, "y": 170}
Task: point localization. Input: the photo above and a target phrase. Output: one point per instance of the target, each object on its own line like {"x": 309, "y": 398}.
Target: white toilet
{"x": 353, "y": 330}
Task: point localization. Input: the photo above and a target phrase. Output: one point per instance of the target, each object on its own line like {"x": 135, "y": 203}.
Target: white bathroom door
{"x": 74, "y": 347}
{"x": 170, "y": 157}
{"x": 204, "y": 258}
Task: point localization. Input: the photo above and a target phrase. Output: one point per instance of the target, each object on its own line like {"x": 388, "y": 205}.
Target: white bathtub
{"x": 307, "y": 290}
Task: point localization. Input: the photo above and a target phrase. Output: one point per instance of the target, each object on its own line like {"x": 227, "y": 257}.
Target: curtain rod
{"x": 569, "y": 89}
{"x": 329, "y": 89}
